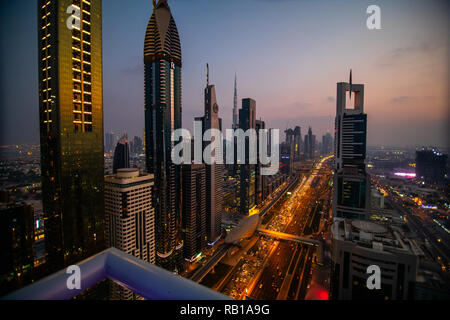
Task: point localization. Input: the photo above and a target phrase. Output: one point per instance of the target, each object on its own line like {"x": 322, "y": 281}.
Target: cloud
{"x": 399, "y": 54}
{"x": 132, "y": 64}
{"x": 136, "y": 69}
{"x": 401, "y": 99}
{"x": 300, "y": 106}
{"x": 409, "y": 99}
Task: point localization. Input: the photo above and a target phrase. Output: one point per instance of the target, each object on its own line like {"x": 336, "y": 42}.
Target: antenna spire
{"x": 351, "y": 83}
{"x": 207, "y": 74}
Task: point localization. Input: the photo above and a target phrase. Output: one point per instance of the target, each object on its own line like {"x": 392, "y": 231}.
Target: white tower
{"x": 130, "y": 218}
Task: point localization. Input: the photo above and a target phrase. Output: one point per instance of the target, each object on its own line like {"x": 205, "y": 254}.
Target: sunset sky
{"x": 288, "y": 56}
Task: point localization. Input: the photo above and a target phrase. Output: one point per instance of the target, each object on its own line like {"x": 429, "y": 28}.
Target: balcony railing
{"x": 145, "y": 279}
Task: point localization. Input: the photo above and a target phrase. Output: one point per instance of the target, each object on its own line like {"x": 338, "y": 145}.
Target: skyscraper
{"x": 431, "y": 166}
{"x": 109, "y": 141}
{"x": 71, "y": 129}
{"x": 235, "y": 106}
{"x": 247, "y": 171}
{"x": 297, "y": 143}
{"x": 260, "y": 180}
{"x": 289, "y": 136}
{"x": 137, "y": 145}
{"x": 310, "y": 145}
{"x": 327, "y": 144}
{"x": 286, "y": 158}
{"x": 16, "y": 245}
{"x": 130, "y": 218}
{"x": 162, "y": 60}
{"x": 121, "y": 155}
{"x": 287, "y": 152}
{"x": 351, "y": 183}
{"x": 357, "y": 242}
{"x": 214, "y": 172}
{"x": 194, "y": 208}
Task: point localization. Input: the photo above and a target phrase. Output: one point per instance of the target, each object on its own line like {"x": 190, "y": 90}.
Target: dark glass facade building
{"x": 310, "y": 145}
{"x": 431, "y": 166}
{"x": 16, "y": 245}
{"x": 194, "y": 209}
{"x": 247, "y": 171}
{"x": 71, "y": 128}
{"x": 297, "y": 143}
{"x": 214, "y": 171}
{"x": 327, "y": 144}
{"x": 162, "y": 60}
{"x": 351, "y": 182}
{"x": 260, "y": 180}
{"x": 121, "y": 155}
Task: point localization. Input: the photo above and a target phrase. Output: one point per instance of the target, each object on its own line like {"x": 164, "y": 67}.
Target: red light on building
{"x": 323, "y": 295}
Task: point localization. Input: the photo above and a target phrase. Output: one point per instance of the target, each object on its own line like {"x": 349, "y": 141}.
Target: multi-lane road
{"x": 287, "y": 271}
{"x": 283, "y": 270}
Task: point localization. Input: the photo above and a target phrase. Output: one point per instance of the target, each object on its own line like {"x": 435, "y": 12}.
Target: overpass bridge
{"x": 295, "y": 238}
{"x": 289, "y": 237}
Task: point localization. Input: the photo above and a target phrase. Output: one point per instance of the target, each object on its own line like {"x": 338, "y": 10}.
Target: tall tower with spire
{"x": 235, "y": 105}
{"x": 351, "y": 181}
{"x": 214, "y": 171}
{"x": 162, "y": 63}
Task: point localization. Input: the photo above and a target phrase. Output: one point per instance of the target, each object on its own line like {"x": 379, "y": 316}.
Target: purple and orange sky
{"x": 288, "y": 56}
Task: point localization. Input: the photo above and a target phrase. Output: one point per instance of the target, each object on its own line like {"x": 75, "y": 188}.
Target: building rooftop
{"x": 383, "y": 236}
{"x": 128, "y": 175}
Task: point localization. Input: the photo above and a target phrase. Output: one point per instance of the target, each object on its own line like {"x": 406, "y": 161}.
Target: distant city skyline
{"x": 290, "y": 68}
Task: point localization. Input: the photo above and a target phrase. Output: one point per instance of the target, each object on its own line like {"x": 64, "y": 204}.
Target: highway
{"x": 222, "y": 250}
{"x": 284, "y": 250}
{"x": 278, "y": 197}
{"x": 286, "y": 273}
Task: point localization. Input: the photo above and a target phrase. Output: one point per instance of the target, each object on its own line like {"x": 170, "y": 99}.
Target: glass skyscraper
{"x": 351, "y": 182}
{"x": 71, "y": 128}
{"x": 121, "y": 155}
{"x": 247, "y": 171}
{"x": 162, "y": 60}
{"x": 214, "y": 171}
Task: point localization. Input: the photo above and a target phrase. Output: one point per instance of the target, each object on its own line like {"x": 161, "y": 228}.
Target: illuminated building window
{"x": 87, "y": 97}
{"x": 77, "y": 75}
{"x": 88, "y": 117}
{"x": 76, "y": 33}
{"x": 86, "y": 16}
{"x": 76, "y": 65}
